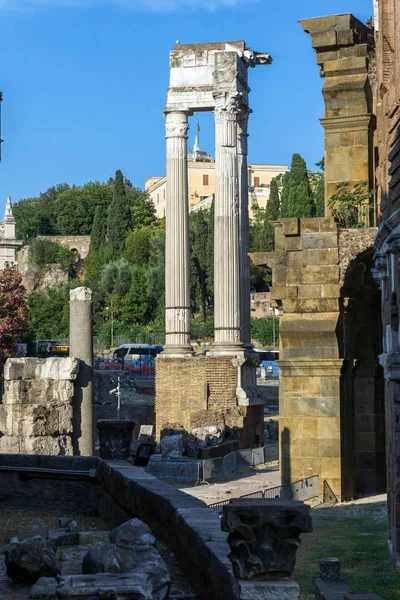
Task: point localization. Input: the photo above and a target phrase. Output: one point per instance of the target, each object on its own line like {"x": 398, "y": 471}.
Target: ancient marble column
{"x": 177, "y": 275}
{"x": 81, "y": 347}
{"x": 244, "y": 260}
{"x": 226, "y": 233}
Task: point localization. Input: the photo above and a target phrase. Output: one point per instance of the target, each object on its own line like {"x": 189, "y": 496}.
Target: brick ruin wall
{"x": 201, "y": 391}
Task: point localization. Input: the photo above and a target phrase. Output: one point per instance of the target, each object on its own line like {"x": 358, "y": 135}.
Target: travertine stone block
{"x": 281, "y": 292}
{"x": 290, "y": 226}
{"x": 318, "y": 242}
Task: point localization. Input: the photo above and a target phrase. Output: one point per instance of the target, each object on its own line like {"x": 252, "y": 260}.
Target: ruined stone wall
{"x": 80, "y": 243}
{"x": 330, "y": 400}
{"x": 387, "y": 256}
{"x": 201, "y": 391}
{"x": 36, "y": 416}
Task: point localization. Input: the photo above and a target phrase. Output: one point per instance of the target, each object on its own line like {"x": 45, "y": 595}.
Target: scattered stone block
{"x": 103, "y": 558}
{"x": 45, "y": 587}
{"x": 61, "y": 537}
{"x": 129, "y": 533}
{"x": 209, "y": 435}
{"x": 31, "y": 559}
{"x": 173, "y": 446}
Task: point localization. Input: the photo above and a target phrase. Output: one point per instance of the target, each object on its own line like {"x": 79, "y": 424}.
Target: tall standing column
{"x": 226, "y": 233}
{"x": 244, "y": 245}
{"x": 177, "y": 275}
{"x": 81, "y": 347}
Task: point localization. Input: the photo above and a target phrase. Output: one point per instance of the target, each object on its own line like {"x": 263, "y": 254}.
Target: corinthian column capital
{"x": 176, "y": 124}
{"x": 227, "y": 108}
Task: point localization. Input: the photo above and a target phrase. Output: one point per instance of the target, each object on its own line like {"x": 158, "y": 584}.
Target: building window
{"x": 163, "y": 193}
{"x": 256, "y": 181}
{"x": 206, "y": 180}
{"x": 158, "y": 198}
{"x": 164, "y": 212}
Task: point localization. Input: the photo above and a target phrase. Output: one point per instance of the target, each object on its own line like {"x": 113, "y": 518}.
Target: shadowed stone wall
{"x": 330, "y": 400}
{"x": 387, "y": 244}
{"x": 36, "y": 416}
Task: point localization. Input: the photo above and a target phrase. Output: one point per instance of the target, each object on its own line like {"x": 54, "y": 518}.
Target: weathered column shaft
{"x": 244, "y": 245}
{"x": 81, "y": 347}
{"x": 226, "y": 244}
{"x": 177, "y": 274}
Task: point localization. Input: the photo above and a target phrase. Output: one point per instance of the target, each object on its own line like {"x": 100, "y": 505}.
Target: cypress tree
{"x": 320, "y": 197}
{"x": 300, "y": 201}
{"x": 119, "y": 217}
{"x": 96, "y": 235}
{"x": 285, "y": 195}
{"x": 267, "y": 237}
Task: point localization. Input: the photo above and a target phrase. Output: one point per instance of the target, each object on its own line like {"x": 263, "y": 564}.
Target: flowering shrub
{"x": 14, "y": 313}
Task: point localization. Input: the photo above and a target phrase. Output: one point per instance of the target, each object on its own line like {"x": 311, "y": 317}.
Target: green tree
{"x": 49, "y": 310}
{"x": 138, "y": 245}
{"x": 319, "y": 196}
{"x": 156, "y": 273}
{"x": 300, "y": 199}
{"x": 136, "y": 307}
{"x": 44, "y": 252}
{"x": 285, "y": 195}
{"x": 199, "y": 260}
{"x": 119, "y": 217}
{"x": 97, "y": 232}
{"x": 262, "y": 331}
{"x": 271, "y": 213}
{"x": 143, "y": 212}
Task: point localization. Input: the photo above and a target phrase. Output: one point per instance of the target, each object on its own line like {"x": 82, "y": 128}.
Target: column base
{"x": 226, "y": 349}
{"x": 177, "y": 352}
{"x": 268, "y": 590}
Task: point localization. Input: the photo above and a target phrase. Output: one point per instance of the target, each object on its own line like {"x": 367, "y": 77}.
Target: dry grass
{"x": 357, "y": 535}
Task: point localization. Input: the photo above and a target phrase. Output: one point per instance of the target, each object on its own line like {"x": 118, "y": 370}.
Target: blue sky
{"x": 84, "y": 84}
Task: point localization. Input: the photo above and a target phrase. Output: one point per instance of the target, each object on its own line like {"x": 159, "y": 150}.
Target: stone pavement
{"x": 242, "y": 483}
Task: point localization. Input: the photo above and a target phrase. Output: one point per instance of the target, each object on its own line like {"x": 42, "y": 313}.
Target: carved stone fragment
{"x": 115, "y": 439}
{"x": 264, "y": 536}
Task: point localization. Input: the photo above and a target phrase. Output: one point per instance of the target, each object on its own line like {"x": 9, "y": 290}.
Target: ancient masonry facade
{"x": 330, "y": 399}
{"x": 209, "y": 77}
{"x": 387, "y": 244}
{"x": 331, "y": 396}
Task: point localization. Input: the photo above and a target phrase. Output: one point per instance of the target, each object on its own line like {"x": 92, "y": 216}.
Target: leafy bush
{"x": 262, "y": 331}
{"x": 351, "y": 206}
{"x": 44, "y": 252}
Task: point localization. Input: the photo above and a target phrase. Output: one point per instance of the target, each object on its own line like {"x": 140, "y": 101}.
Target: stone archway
{"x": 362, "y": 385}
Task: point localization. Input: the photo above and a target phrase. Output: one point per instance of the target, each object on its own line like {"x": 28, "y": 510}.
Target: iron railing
{"x": 304, "y": 489}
